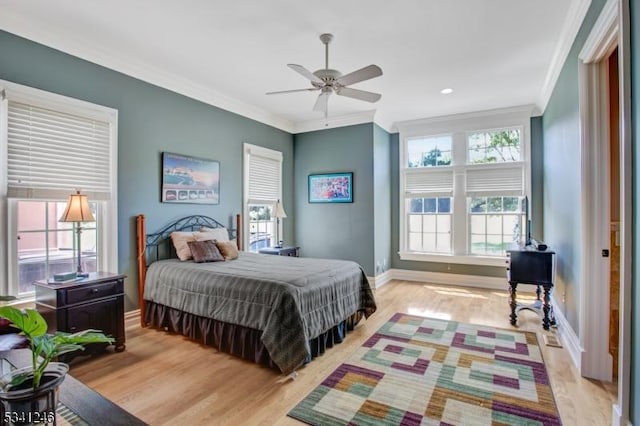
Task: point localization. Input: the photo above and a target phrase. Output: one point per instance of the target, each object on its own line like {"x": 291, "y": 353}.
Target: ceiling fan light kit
{"x": 329, "y": 81}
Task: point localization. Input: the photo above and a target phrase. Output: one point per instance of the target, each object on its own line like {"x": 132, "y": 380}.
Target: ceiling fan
{"x": 329, "y": 81}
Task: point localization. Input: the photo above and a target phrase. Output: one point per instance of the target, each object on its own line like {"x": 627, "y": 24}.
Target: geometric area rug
{"x": 425, "y": 371}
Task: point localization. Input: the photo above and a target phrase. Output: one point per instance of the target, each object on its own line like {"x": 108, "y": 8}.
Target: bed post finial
{"x": 141, "y": 245}
{"x": 239, "y": 231}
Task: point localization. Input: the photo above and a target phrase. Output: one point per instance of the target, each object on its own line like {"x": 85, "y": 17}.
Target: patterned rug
{"x": 424, "y": 371}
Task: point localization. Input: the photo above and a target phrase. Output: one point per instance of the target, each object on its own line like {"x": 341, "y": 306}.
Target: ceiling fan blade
{"x": 310, "y": 89}
{"x": 359, "y": 94}
{"x": 305, "y": 73}
{"x": 362, "y": 74}
{"x": 322, "y": 102}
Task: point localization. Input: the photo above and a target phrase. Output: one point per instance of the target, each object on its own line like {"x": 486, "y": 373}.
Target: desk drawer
{"x": 96, "y": 291}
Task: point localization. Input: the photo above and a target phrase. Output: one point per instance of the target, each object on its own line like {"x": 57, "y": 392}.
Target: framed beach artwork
{"x": 331, "y": 188}
{"x": 187, "y": 179}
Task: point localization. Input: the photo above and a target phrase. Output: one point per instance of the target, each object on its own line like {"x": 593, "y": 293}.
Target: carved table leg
{"x": 538, "y": 292}
{"x": 545, "y": 307}
{"x": 512, "y": 302}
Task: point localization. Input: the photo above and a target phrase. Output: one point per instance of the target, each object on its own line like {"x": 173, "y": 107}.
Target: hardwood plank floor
{"x": 165, "y": 379}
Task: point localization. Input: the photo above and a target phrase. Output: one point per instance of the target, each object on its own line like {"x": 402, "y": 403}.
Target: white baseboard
{"x": 491, "y": 283}
{"x": 568, "y": 336}
{"x": 616, "y": 417}
{"x": 380, "y": 280}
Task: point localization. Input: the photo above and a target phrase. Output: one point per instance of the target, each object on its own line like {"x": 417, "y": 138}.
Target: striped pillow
{"x": 205, "y": 251}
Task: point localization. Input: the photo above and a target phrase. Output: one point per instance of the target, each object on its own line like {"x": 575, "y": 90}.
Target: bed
{"x": 277, "y": 311}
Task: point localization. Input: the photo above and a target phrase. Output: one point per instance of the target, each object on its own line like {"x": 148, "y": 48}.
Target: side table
{"x": 281, "y": 251}
{"x": 526, "y": 265}
{"x": 95, "y": 302}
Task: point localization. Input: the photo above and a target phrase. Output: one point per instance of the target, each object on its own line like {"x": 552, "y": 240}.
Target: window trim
{"x": 108, "y": 209}
{"x": 263, "y": 152}
{"x": 459, "y": 127}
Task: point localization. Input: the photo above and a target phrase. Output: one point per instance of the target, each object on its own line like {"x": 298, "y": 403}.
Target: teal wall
{"x": 537, "y": 186}
{"x": 151, "y": 120}
{"x": 635, "y": 120}
{"x": 382, "y": 198}
{"x": 340, "y": 230}
{"x": 562, "y": 186}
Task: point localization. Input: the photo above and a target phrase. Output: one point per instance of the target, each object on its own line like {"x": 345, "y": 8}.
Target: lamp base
{"x": 82, "y": 275}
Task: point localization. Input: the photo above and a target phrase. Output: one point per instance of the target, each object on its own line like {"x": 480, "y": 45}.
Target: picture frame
{"x": 331, "y": 188}
{"x": 190, "y": 180}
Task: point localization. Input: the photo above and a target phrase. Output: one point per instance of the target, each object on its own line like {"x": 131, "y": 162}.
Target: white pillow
{"x": 180, "y": 240}
{"x": 218, "y": 234}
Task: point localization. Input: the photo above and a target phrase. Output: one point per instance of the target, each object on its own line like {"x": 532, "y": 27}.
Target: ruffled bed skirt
{"x": 235, "y": 339}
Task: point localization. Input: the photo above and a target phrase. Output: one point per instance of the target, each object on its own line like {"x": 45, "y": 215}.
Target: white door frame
{"x": 610, "y": 30}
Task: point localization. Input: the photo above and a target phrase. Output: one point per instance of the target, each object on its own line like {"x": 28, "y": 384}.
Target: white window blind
{"x": 497, "y": 180}
{"x": 428, "y": 182}
{"x": 51, "y": 154}
{"x": 264, "y": 176}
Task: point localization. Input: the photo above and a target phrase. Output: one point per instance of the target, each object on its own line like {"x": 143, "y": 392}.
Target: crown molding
{"x": 604, "y": 34}
{"x": 518, "y": 111}
{"x": 333, "y": 122}
{"x": 575, "y": 15}
{"x": 132, "y": 67}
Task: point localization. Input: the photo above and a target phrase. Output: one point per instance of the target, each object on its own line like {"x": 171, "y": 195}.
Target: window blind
{"x": 263, "y": 178}
{"x": 428, "y": 182}
{"x": 498, "y": 180}
{"x": 53, "y": 153}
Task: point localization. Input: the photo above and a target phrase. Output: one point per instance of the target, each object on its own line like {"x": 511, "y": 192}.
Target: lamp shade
{"x": 279, "y": 211}
{"x": 77, "y": 209}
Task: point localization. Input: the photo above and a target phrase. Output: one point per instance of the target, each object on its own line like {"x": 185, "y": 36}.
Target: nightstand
{"x": 281, "y": 251}
{"x": 95, "y": 302}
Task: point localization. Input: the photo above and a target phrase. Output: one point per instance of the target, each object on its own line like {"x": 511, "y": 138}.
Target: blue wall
{"x": 382, "y": 198}
{"x": 151, "y": 120}
{"x": 336, "y": 230}
{"x": 562, "y": 185}
{"x": 635, "y": 111}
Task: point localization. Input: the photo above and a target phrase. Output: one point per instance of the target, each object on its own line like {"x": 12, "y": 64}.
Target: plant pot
{"x": 23, "y": 405}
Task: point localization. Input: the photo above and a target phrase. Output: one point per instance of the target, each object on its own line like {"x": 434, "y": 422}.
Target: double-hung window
{"x": 463, "y": 183}
{"x": 262, "y": 189}
{"x": 52, "y": 146}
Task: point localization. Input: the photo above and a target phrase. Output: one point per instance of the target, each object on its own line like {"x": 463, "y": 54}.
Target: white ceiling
{"x": 493, "y": 53}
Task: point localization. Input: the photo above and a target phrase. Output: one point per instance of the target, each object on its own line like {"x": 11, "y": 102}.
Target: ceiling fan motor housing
{"x": 329, "y": 77}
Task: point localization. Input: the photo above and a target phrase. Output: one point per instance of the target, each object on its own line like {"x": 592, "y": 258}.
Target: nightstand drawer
{"x": 90, "y": 292}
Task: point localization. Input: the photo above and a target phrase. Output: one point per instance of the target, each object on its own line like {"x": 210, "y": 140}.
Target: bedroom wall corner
{"x": 151, "y": 120}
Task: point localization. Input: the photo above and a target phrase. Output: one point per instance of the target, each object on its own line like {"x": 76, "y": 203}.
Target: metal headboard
{"x": 158, "y": 246}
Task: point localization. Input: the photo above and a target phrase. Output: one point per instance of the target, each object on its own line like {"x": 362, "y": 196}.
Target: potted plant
{"x": 32, "y": 391}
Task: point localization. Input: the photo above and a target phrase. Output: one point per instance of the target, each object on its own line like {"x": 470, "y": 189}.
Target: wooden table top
{"x": 85, "y": 402}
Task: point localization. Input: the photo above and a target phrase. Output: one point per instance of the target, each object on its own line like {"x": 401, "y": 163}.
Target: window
{"x": 263, "y": 188}
{"x": 52, "y": 146}
{"x": 463, "y": 182}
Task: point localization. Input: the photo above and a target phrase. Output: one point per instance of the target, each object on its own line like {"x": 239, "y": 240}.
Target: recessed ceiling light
{"x": 446, "y": 91}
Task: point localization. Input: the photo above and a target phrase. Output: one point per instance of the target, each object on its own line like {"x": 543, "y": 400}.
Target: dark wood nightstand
{"x": 281, "y": 251}
{"x": 94, "y": 302}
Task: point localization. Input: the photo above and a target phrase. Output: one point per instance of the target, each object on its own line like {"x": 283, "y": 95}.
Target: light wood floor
{"x": 166, "y": 379}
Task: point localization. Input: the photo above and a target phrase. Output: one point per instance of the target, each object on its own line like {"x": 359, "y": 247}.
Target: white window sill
{"x": 452, "y": 258}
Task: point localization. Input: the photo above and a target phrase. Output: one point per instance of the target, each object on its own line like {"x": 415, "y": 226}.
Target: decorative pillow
{"x": 219, "y": 234}
{"x": 180, "y": 240}
{"x": 205, "y": 251}
{"x": 229, "y": 249}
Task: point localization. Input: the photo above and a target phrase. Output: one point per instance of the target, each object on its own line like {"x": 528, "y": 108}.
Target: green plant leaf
{"x": 29, "y": 321}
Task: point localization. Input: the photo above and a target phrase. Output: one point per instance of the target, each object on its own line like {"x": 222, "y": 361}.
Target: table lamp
{"x": 78, "y": 211}
{"x": 278, "y": 214}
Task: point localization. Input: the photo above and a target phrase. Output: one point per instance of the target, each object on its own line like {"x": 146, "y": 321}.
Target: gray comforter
{"x": 289, "y": 299}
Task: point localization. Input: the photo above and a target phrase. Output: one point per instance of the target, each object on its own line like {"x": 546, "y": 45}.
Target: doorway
{"x": 614, "y": 207}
